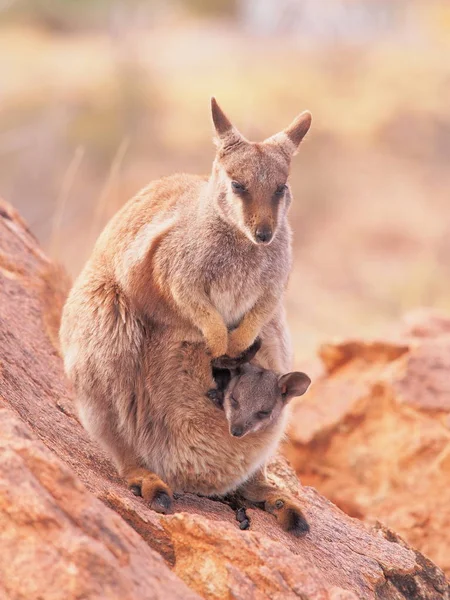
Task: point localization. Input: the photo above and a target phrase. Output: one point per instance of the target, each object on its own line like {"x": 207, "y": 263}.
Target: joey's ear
{"x": 227, "y": 134}
{"x": 293, "y": 384}
{"x": 289, "y": 139}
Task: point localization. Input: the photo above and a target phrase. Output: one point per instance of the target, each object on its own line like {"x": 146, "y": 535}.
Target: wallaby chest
{"x": 237, "y": 278}
{"x": 232, "y": 302}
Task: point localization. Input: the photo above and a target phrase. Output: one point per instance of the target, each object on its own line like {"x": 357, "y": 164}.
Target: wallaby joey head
{"x": 253, "y": 397}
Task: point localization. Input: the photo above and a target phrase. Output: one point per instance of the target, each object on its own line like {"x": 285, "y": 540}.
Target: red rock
{"x": 374, "y": 433}
{"x": 70, "y": 529}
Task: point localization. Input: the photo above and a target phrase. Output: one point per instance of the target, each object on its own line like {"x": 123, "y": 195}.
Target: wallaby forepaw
{"x": 217, "y": 342}
{"x": 242, "y": 518}
{"x": 239, "y": 343}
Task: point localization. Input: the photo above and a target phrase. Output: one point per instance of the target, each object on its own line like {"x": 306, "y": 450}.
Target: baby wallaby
{"x": 253, "y": 399}
{"x": 251, "y": 396}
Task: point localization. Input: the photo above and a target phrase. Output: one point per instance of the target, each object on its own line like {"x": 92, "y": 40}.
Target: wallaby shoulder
{"x": 163, "y": 200}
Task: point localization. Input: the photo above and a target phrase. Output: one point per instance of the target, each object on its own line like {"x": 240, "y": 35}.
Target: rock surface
{"x": 70, "y": 529}
{"x": 373, "y": 434}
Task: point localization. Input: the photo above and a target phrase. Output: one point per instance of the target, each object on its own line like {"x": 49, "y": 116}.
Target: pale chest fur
{"x": 237, "y": 277}
{"x": 233, "y": 301}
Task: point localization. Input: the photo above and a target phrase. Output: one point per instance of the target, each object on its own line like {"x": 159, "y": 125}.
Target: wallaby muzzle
{"x": 237, "y": 431}
{"x": 263, "y": 234}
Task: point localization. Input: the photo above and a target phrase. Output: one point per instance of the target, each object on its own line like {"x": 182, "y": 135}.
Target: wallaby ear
{"x": 227, "y": 134}
{"x": 293, "y": 384}
{"x": 289, "y": 139}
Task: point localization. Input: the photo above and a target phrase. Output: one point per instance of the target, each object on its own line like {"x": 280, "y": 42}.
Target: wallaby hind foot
{"x": 153, "y": 490}
{"x": 281, "y": 505}
{"x": 288, "y": 514}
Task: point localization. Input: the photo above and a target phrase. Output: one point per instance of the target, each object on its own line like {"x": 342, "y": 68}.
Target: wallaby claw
{"x": 136, "y": 490}
{"x": 161, "y": 503}
{"x": 240, "y": 514}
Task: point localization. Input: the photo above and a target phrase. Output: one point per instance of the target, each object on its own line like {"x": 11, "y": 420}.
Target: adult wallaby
{"x": 188, "y": 259}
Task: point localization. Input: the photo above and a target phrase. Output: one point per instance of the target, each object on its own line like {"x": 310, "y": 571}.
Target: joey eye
{"x": 234, "y": 403}
{"x": 238, "y": 187}
{"x": 280, "y": 190}
{"x": 262, "y": 414}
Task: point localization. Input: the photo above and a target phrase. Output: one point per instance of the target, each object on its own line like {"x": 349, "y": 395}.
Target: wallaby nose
{"x": 237, "y": 431}
{"x": 263, "y": 234}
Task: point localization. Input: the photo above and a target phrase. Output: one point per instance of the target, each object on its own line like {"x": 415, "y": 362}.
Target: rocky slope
{"x": 70, "y": 529}
{"x": 373, "y": 434}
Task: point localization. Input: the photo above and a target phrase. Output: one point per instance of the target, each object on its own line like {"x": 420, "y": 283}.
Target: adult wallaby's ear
{"x": 227, "y": 134}
{"x": 289, "y": 139}
{"x": 293, "y": 384}
{"x": 227, "y": 362}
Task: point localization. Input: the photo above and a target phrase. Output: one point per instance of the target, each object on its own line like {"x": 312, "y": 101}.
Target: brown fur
{"x": 179, "y": 264}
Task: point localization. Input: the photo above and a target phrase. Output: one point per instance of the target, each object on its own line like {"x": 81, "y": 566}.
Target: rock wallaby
{"x": 189, "y": 259}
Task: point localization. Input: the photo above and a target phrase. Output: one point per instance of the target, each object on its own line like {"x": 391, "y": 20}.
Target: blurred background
{"x": 99, "y": 97}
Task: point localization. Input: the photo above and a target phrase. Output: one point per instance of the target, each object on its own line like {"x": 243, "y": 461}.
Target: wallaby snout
{"x": 263, "y": 234}
{"x": 237, "y": 430}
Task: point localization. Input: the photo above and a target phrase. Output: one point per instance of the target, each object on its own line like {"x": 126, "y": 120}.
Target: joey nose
{"x": 237, "y": 431}
{"x": 263, "y": 234}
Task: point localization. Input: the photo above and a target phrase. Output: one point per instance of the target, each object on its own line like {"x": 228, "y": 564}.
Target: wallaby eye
{"x": 234, "y": 403}
{"x": 238, "y": 187}
{"x": 280, "y": 190}
{"x": 262, "y": 414}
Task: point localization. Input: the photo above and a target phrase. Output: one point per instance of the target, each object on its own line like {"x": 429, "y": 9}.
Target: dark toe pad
{"x": 162, "y": 502}
{"x": 298, "y": 525}
{"x": 136, "y": 489}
